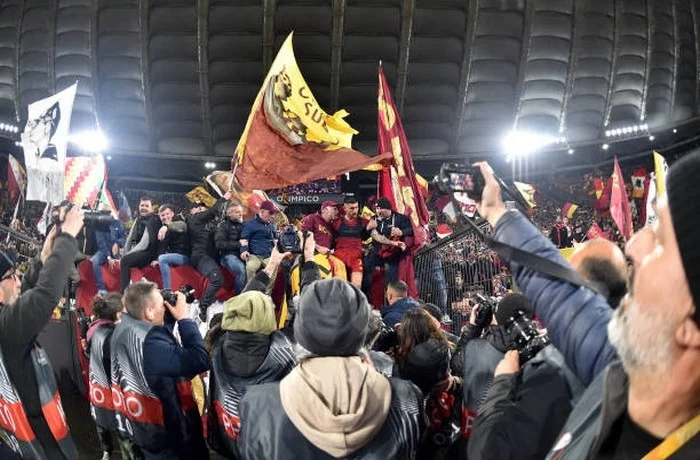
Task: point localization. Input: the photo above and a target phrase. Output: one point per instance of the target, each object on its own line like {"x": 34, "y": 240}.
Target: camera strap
{"x": 542, "y": 265}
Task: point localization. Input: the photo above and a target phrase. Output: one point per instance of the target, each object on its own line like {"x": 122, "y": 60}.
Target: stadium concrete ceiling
{"x": 174, "y": 79}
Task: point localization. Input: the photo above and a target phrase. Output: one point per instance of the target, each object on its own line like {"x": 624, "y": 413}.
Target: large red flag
{"x": 398, "y": 182}
{"x": 619, "y": 204}
{"x": 397, "y": 179}
{"x": 288, "y": 138}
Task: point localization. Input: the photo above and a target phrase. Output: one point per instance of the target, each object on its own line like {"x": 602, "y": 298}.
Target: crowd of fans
{"x": 451, "y": 362}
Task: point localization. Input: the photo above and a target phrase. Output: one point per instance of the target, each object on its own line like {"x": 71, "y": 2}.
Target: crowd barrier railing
{"x": 463, "y": 256}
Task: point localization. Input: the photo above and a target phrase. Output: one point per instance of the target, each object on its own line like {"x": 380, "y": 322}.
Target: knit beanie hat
{"x": 8, "y": 259}
{"x": 332, "y": 318}
{"x": 684, "y": 204}
{"x": 250, "y": 311}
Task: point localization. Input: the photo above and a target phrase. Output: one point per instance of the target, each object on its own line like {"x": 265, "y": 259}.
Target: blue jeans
{"x": 165, "y": 261}
{"x": 237, "y": 267}
{"x": 98, "y": 259}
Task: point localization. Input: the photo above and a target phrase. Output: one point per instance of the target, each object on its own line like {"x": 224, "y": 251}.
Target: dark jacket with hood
{"x": 523, "y": 413}
{"x": 177, "y": 239}
{"x": 136, "y": 240}
{"x": 201, "y": 229}
{"x": 21, "y": 323}
{"x": 228, "y": 236}
{"x": 273, "y": 436}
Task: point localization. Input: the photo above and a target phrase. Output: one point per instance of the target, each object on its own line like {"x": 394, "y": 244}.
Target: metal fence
{"x": 451, "y": 270}
{"x": 24, "y": 246}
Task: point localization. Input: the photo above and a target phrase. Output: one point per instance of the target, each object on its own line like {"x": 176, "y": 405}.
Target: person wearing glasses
{"x": 32, "y": 422}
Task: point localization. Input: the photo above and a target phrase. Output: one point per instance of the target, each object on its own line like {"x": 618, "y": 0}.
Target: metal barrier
{"x": 24, "y": 246}
{"x": 451, "y": 270}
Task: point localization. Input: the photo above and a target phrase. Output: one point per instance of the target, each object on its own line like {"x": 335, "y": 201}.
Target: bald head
{"x": 603, "y": 263}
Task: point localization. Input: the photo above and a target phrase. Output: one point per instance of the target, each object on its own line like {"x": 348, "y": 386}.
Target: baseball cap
{"x": 268, "y": 206}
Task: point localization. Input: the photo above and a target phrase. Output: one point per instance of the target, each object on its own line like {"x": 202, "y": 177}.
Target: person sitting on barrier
{"x": 228, "y": 243}
{"x": 201, "y": 226}
{"x": 107, "y": 311}
{"x": 173, "y": 243}
{"x": 258, "y": 238}
{"x": 110, "y": 237}
{"x": 36, "y": 427}
{"x": 152, "y": 373}
{"x": 142, "y": 243}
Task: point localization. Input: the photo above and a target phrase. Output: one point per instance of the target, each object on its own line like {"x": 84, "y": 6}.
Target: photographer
{"x": 36, "y": 427}
{"x": 520, "y": 413}
{"x": 107, "y": 312}
{"x": 647, "y": 399}
{"x": 151, "y": 374}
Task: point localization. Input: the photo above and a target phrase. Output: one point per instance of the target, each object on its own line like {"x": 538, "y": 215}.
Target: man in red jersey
{"x": 320, "y": 224}
{"x": 351, "y": 230}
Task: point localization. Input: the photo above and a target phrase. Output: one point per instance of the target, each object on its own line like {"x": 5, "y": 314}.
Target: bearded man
{"x": 642, "y": 362}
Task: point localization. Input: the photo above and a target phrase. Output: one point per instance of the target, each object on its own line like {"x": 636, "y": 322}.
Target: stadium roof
{"x": 170, "y": 82}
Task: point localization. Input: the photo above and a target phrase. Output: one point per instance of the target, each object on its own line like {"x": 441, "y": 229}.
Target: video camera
{"x": 484, "y": 312}
{"x": 289, "y": 241}
{"x": 456, "y": 177}
{"x": 527, "y": 338}
{"x": 90, "y": 217}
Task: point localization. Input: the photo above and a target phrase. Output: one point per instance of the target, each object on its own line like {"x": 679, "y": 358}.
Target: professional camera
{"x": 289, "y": 241}
{"x": 484, "y": 314}
{"x": 98, "y": 218}
{"x": 170, "y": 296}
{"x": 526, "y": 336}
{"x": 388, "y": 339}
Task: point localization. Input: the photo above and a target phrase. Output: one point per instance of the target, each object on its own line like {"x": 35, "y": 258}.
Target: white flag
{"x": 44, "y": 141}
{"x": 651, "y": 200}
{"x": 44, "y": 220}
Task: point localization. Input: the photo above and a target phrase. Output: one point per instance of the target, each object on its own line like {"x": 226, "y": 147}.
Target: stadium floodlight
{"x": 522, "y": 143}
{"x": 651, "y": 138}
{"x": 89, "y": 141}
{"x": 570, "y": 151}
{"x": 605, "y": 146}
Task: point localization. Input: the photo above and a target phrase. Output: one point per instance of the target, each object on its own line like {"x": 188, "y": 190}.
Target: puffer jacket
{"x": 576, "y": 318}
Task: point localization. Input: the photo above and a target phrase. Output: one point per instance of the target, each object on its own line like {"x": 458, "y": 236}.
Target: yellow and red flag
{"x": 568, "y": 210}
{"x": 289, "y": 139}
{"x": 398, "y": 181}
{"x": 83, "y": 179}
